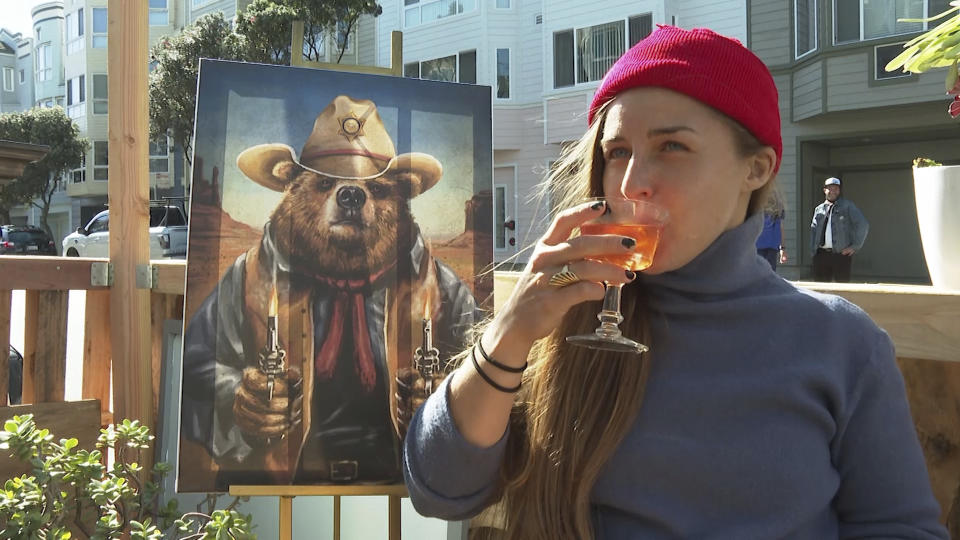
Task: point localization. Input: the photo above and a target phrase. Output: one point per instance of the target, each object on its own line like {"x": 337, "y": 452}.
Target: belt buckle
{"x": 344, "y": 470}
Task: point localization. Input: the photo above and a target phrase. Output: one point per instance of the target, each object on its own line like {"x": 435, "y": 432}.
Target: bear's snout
{"x": 351, "y": 198}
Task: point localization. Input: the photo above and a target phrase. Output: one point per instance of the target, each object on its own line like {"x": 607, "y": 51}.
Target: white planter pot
{"x": 937, "y": 191}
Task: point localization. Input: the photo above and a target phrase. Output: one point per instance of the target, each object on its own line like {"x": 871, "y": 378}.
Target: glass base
{"x": 606, "y": 343}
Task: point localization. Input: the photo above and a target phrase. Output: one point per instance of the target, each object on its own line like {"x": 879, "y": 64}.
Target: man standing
{"x": 837, "y": 232}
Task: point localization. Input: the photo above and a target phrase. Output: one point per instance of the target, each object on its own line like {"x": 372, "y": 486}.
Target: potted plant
{"x": 72, "y": 494}
{"x": 937, "y": 187}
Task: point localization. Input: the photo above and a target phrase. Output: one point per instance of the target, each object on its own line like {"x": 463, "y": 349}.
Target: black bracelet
{"x": 496, "y": 364}
{"x": 490, "y": 381}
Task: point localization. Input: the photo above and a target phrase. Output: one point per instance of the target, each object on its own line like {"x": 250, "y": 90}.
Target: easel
{"x": 287, "y": 493}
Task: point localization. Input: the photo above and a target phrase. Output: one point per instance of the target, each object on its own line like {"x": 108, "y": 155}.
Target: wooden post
{"x": 129, "y": 199}
{"x": 5, "y": 301}
{"x": 393, "y": 522}
{"x": 286, "y": 517}
{"x": 31, "y": 316}
{"x": 96, "y": 352}
{"x": 336, "y": 517}
{"x": 50, "y": 365}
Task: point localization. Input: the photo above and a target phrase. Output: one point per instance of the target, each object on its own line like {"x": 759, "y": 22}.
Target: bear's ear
{"x": 286, "y": 171}
{"x": 408, "y": 182}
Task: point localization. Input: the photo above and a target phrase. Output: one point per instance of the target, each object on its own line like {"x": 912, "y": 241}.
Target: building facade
{"x": 543, "y": 62}
{"x": 845, "y": 116}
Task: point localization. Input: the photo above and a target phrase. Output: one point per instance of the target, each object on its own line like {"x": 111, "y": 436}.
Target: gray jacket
{"x": 848, "y": 226}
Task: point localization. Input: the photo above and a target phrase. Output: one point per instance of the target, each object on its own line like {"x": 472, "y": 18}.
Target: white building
{"x": 543, "y": 61}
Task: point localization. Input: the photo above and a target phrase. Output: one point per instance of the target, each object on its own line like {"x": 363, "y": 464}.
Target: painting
{"x": 339, "y": 257}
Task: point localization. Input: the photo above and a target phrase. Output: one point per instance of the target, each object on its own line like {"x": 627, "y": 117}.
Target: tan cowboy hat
{"x": 348, "y": 142}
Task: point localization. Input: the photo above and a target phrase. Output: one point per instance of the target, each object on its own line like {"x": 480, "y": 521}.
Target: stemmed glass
{"x": 643, "y": 221}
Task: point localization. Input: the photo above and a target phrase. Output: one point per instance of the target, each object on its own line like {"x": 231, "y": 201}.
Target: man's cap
{"x": 715, "y": 70}
{"x": 832, "y": 181}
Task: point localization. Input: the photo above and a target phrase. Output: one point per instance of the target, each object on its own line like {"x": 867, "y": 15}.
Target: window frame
{"x": 351, "y": 37}
{"x": 496, "y": 5}
{"x": 813, "y": 22}
{"x": 44, "y": 53}
{"x": 891, "y": 75}
{"x": 75, "y": 34}
{"x": 76, "y": 97}
{"x": 80, "y": 172}
{"x": 23, "y": 76}
{"x": 458, "y": 69}
{"x": 418, "y": 5}
{"x": 862, "y": 37}
{"x": 97, "y": 167}
{"x": 93, "y": 91}
{"x": 165, "y": 157}
{"x": 98, "y": 40}
{"x": 165, "y": 11}
{"x": 9, "y": 87}
{"x": 625, "y": 31}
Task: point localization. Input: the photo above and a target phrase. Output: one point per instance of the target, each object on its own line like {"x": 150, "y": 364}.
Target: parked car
{"x": 25, "y": 240}
{"x": 168, "y": 235}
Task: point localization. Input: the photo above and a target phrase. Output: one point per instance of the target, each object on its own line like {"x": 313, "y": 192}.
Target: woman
{"x": 770, "y": 241}
{"x": 761, "y": 410}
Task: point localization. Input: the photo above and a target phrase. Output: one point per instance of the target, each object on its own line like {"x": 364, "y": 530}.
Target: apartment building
{"x": 16, "y": 70}
{"x": 845, "y": 116}
{"x": 543, "y": 61}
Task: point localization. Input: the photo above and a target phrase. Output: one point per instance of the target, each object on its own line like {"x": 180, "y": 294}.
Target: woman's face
{"x": 664, "y": 147}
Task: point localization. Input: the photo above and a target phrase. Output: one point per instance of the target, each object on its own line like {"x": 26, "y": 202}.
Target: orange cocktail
{"x": 646, "y": 235}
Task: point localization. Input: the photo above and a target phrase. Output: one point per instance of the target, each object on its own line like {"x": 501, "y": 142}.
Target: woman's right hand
{"x": 535, "y": 308}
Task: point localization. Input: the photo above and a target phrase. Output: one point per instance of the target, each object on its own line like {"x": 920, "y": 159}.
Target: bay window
{"x": 859, "y": 20}
{"x": 582, "y": 55}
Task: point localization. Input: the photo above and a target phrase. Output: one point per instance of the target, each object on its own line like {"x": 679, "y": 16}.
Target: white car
{"x": 168, "y": 235}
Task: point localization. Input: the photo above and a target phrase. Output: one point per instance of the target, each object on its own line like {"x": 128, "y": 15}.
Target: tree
{"x": 41, "y": 178}
{"x": 267, "y": 25}
{"x": 173, "y": 81}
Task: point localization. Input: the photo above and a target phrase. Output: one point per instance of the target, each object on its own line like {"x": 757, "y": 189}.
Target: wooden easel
{"x": 287, "y": 493}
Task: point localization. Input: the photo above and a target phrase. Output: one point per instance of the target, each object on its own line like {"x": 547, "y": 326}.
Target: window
{"x": 446, "y": 68}
{"x": 99, "y": 39}
{"x": 100, "y": 156}
{"x": 583, "y": 55}
{"x": 805, "y": 26}
{"x": 858, "y": 20}
{"x": 76, "y": 97}
{"x": 882, "y": 55}
{"x": 503, "y": 73}
{"x": 99, "y": 93}
{"x": 79, "y": 174}
{"x": 38, "y": 33}
{"x": 158, "y": 13}
{"x": 75, "y": 31}
{"x": 159, "y": 156}
{"x": 345, "y": 40}
{"x": 44, "y": 63}
{"x": 422, "y": 11}
{"x": 23, "y": 76}
{"x": 7, "y": 79}
{"x": 100, "y": 224}
{"x": 503, "y": 4}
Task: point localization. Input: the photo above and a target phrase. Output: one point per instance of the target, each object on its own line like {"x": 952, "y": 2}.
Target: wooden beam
{"x": 50, "y": 365}
{"x": 5, "y": 301}
{"x": 96, "y": 348}
{"x": 393, "y": 521}
{"x": 297, "y": 491}
{"x": 171, "y": 276}
{"x": 31, "y": 317}
{"x": 47, "y": 273}
{"x": 128, "y": 193}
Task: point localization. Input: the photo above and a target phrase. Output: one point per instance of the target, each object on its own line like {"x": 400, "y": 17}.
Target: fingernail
{"x": 630, "y": 275}
{"x": 628, "y": 243}
{"x": 597, "y": 205}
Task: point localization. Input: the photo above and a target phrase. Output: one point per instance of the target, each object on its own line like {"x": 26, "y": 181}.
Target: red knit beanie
{"x": 715, "y": 70}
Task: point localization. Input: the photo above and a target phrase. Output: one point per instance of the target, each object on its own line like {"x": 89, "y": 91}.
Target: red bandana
{"x": 348, "y": 301}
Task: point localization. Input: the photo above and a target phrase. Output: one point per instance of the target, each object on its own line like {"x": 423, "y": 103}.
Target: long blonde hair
{"x": 577, "y": 404}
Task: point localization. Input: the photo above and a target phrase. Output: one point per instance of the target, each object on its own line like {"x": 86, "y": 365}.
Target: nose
{"x": 351, "y": 197}
{"x": 637, "y": 182}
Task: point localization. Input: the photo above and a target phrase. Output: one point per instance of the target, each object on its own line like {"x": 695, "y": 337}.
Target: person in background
{"x": 838, "y": 230}
{"x": 770, "y": 241}
{"x": 762, "y": 410}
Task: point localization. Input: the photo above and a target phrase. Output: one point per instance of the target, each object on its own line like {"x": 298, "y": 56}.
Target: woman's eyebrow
{"x": 669, "y": 130}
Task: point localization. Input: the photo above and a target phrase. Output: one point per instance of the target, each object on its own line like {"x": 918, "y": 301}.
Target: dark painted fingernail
{"x": 628, "y": 243}
{"x": 597, "y": 205}
{"x": 630, "y": 275}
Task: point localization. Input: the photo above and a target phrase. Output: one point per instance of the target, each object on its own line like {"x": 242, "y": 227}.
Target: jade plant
{"x": 70, "y": 493}
{"x": 937, "y": 47}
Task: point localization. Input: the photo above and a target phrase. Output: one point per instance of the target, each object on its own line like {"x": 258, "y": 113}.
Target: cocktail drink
{"x": 643, "y": 221}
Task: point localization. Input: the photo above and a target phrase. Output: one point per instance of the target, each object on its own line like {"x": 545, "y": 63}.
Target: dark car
{"x": 25, "y": 240}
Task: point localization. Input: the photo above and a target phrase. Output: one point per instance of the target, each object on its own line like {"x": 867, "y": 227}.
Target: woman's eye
{"x": 618, "y": 153}
{"x": 672, "y": 146}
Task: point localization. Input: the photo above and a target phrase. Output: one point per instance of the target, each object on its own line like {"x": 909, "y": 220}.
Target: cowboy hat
{"x": 348, "y": 138}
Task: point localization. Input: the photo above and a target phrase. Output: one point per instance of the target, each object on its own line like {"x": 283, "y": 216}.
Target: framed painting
{"x": 339, "y": 256}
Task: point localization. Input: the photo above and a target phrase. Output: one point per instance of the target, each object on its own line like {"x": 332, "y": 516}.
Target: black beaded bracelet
{"x": 490, "y": 381}
{"x": 496, "y": 364}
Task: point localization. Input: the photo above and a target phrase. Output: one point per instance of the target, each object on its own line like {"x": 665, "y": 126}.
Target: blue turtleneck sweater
{"x": 770, "y": 412}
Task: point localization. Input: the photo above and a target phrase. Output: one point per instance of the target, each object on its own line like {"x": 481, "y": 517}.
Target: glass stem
{"x": 609, "y": 315}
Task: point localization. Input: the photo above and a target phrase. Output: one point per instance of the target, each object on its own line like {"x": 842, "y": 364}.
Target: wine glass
{"x": 643, "y": 221}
